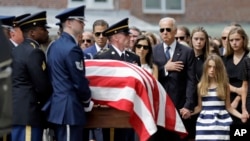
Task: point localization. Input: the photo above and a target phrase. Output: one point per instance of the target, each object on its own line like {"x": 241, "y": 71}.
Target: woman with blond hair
{"x": 237, "y": 50}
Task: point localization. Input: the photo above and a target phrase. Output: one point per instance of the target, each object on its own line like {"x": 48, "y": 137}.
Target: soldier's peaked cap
{"x": 20, "y": 17}
{"x": 72, "y": 13}
{"x": 7, "y": 21}
{"x": 34, "y": 20}
{"x": 121, "y": 26}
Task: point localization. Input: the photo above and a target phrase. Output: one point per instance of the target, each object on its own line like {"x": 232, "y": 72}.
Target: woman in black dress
{"x": 200, "y": 44}
{"x": 237, "y": 50}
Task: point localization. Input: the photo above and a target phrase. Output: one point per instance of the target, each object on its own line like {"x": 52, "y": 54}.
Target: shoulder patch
{"x": 79, "y": 65}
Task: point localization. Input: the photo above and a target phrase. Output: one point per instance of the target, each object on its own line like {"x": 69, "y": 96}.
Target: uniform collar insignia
{"x": 43, "y": 66}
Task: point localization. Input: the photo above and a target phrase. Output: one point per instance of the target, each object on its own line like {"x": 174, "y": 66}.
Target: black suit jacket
{"x": 111, "y": 53}
{"x": 180, "y": 86}
{"x": 31, "y": 84}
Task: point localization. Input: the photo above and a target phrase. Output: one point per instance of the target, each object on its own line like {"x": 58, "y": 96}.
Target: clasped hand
{"x": 185, "y": 113}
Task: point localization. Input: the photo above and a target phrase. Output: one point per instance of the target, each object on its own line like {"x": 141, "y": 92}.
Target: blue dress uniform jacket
{"x": 31, "y": 84}
{"x": 70, "y": 86}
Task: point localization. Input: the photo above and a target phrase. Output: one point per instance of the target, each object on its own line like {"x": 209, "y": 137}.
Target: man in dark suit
{"x": 176, "y": 73}
{"x": 118, "y": 35}
{"x": 101, "y": 41}
{"x": 30, "y": 80}
{"x": 71, "y": 96}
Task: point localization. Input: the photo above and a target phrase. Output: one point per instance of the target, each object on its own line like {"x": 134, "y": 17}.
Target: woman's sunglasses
{"x": 139, "y": 46}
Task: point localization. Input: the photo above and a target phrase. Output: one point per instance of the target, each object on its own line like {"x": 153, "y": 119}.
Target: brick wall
{"x": 197, "y": 11}
{"x": 202, "y": 11}
{"x": 39, "y": 3}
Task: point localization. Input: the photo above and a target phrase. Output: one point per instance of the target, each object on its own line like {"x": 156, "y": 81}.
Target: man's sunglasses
{"x": 86, "y": 40}
{"x": 139, "y": 46}
{"x": 181, "y": 38}
{"x": 163, "y": 29}
{"x": 223, "y": 38}
{"x": 97, "y": 34}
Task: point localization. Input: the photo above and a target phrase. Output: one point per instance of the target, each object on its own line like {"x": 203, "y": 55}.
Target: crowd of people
{"x": 50, "y": 89}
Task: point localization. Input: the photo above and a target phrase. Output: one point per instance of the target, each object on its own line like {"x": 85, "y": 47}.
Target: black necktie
{"x": 123, "y": 57}
{"x": 167, "y": 53}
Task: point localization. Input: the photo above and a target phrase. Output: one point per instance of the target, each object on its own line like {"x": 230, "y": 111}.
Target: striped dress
{"x": 213, "y": 123}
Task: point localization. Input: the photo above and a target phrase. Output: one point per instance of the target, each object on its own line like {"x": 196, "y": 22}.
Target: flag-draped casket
{"x": 127, "y": 87}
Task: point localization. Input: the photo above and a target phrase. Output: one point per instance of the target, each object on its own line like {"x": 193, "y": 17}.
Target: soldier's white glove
{"x": 90, "y": 107}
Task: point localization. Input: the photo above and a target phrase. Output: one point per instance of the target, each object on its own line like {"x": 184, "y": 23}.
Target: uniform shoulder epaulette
{"x": 103, "y": 51}
{"x": 33, "y": 45}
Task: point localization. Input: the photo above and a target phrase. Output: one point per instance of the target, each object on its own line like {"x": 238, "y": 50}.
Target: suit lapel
{"x": 177, "y": 52}
{"x": 93, "y": 50}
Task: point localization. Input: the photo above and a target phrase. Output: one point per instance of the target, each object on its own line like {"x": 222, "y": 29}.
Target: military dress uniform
{"x": 71, "y": 92}
{"x": 31, "y": 84}
{"x": 111, "y": 52}
{"x": 5, "y": 88}
{"x": 15, "y": 25}
{"x": 123, "y": 134}
{"x": 7, "y": 23}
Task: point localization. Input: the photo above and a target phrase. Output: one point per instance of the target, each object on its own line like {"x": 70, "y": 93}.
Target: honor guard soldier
{"x": 7, "y": 22}
{"x": 118, "y": 35}
{"x": 16, "y": 34}
{"x": 30, "y": 80}
{"x": 71, "y": 96}
{"x": 5, "y": 88}
{"x": 12, "y": 31}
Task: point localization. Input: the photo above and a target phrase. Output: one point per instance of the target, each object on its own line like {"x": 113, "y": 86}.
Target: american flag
{"x": 128, "y": 87}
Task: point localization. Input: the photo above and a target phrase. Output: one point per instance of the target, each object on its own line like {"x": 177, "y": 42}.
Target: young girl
{"x": 214, "y": 120}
